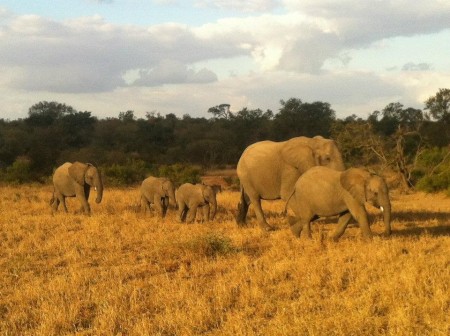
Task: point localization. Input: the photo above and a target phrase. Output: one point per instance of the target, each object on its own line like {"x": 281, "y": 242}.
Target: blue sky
{"x": 182, "y": 57}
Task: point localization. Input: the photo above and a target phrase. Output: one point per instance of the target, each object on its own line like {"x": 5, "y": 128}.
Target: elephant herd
{"x": 76, "y": 179}
{"x": 307, "y": 173}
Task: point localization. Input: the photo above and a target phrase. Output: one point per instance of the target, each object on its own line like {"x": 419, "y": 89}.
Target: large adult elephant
{"x": 75, "y": 180}
{"x": 160, "y": 191}
{"x": 326, "y": 192}
{"x": 268, "y": 170}
{"x": 190, "y": 197}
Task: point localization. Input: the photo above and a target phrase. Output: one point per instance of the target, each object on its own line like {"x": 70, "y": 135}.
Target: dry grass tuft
{"x": 123, "y": 272}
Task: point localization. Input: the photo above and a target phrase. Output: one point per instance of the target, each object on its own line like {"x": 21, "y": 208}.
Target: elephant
{"x": 191, "y": 196}
{"x": 322, "y": 191}
{"x": 160, "y": 191}
{"x": 75, "y": 180}
{"x": 268, "y": 170}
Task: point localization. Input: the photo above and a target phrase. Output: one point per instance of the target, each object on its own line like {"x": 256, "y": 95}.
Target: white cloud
{"x": 172, "y": 72}
{"x": 305, "y": 50}
{"x": 89, "y": 55}
{"x": 410, "y": 66}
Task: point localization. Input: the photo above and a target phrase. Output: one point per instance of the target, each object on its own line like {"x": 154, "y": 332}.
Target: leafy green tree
{"x": 127, "y": 116}
{"x": 221, "y": 111}
{"x": 439, "y": 106}
{"x": 394, "y": 116}
{"x": 297, "y": 118}
{"x": 46, "y": 113}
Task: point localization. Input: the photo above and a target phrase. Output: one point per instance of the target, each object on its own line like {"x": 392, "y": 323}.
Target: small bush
{"x": 19, "y": 171}
{"x": 212, "y": 245}
{"x": 435, "y": 183}
{"x": 134, "y": 171}
{"x": 433, "y": 170}
{"x": 180, "y": 173}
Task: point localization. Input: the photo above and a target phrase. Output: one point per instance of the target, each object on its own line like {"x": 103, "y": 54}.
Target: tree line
{"x": 410, "y": 141}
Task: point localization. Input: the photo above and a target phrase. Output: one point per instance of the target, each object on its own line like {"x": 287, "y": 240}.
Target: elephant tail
{"x": 242, "y": 209}
{"x": 287, "y": 202}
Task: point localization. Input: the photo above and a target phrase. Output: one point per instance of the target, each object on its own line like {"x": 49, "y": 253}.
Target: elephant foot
{"x": 266, "y": 227}
{"x": 387, "y": 233}
{"x": 335, "y": 238}
{"x": 241, "y": 223}
{"x": 296, "y": 230}
{"x": 367, "y": 237}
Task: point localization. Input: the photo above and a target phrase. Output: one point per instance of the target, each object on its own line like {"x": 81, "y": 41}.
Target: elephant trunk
{"x": 213, "y": 209}
{"x": 172, "y": 200}
{"x": 99, "y": 187}
{"x": 337, "y": 162}
{"x": 385, "y": 205}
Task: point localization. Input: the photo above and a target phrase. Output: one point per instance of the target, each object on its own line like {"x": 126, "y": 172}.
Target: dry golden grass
{"x": 120, "y": 272}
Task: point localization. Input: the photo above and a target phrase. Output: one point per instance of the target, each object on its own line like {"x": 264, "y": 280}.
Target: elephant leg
{"x": 359, "y": 213}
{"x": 192, "y": 212}
{"x": 62, "y": 199}
{"x": 307, "y": 226}
{"x": 205, "y": 213}
{"x": 83, "y": 197}
{"x": 297, "y": 228}
{"x": 145, "y": 204}
{"x": 85, "y": 207}
{"x": 165, "y": 205}
{"x": 342, "y": 225}
{"x": 55, "y": 204}
{"x": 256, "y": 201}
{"x": 181, "y": 214}
{"x": 242, "y": 209}
{"x": 157, "y": 201}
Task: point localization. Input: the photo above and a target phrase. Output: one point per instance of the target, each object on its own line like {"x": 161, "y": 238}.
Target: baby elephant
{"x": 159, "y": 191}
{"x": 321, "y": 191}
{"x": 191, "y": 196}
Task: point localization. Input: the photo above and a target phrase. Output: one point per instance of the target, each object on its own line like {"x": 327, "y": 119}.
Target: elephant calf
{"x": 192, "y": 196}
{"x": 322, "y": 191}
{"x": 159, "y": 191}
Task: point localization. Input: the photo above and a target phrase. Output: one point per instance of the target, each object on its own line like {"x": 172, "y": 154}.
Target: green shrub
{"x": 180, "y": 173}
{"x": 132, "y": 172}
{"x": 433, "y": 170}
{"x": 435, "y": 183}
{"x": 212, "y": 245}
{"x": 19, "y": 171}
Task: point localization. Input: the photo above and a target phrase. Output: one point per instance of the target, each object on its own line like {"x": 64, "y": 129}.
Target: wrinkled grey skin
{"x": 268, "y": 170}
{"x": 323, "y": 192}
{"x": 192, "y": 196}
{"x": 159, "y": 191}
{"x": 75, "y": 180}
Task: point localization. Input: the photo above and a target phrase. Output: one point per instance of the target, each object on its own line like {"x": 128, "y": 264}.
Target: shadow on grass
{"x": 413, "y": 222}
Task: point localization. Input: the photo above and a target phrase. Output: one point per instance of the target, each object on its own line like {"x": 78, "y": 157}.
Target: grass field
{"x": 120, "y": 272}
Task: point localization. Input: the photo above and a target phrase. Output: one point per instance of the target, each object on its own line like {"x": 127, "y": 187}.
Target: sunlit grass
{"x": 123, "y": 272}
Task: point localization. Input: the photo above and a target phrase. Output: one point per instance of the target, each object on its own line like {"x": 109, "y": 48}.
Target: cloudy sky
{"x": 184, "y": 56}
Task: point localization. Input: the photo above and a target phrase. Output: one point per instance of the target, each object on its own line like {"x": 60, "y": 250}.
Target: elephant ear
{"x": 298, "y": 155}
{"x": 354, "y": 180}
{"x": 77, "y": 171}
{"x": 206, "y": 192}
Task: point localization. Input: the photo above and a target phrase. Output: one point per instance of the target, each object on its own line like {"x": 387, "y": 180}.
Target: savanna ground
{"x": 120, "y": 272}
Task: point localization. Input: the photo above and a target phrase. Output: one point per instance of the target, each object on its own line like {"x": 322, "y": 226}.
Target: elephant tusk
{"x": 95, "y": 188}
{"x": 382, "y": 209}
